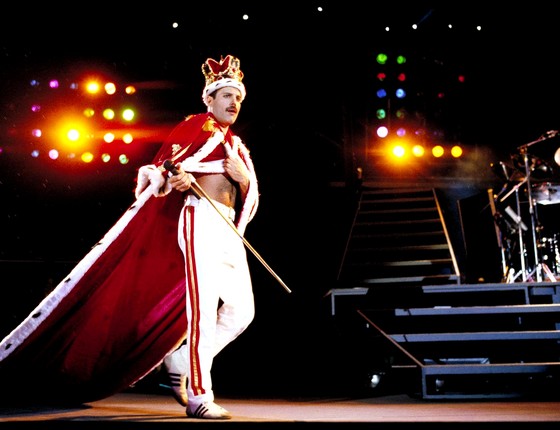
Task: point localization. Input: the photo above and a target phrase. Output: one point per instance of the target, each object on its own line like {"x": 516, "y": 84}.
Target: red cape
{"x": 113, "y": 319}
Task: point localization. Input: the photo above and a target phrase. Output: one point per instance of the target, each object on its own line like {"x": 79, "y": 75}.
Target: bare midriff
{"x": 219, "y": 188}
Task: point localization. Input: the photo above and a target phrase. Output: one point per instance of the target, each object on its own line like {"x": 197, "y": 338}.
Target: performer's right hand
{"x": 182, "y": 181}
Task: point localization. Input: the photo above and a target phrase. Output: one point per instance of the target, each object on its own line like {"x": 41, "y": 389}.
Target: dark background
{"x": 308, "y": 77}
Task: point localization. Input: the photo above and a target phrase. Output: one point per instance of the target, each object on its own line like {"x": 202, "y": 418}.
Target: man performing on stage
{"x": 204, "y": 150}
{"x": 120, "y": 313}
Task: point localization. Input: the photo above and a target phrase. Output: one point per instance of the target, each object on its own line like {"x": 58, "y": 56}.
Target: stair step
{"x": 407, "y": 263}
{"x": 479, "y": 310}
{"x": 391, "y": 210}
{"x": 477, "y": 336}
{"x": 398, "y": 236}
{"x": 399, "y": 222}
{"x": 411, "y": 279}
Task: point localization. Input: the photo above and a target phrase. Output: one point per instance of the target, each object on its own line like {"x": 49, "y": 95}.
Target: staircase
{"x": 470, "y": 341}
{"x": 403, "y": 312}
{"x": 398, "y": 237}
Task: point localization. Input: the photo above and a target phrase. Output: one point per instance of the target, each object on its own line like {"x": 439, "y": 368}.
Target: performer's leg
{"x": 236, "y": 292}
{"x": 215, "y": 265}
{"x": 201, "y": 235}
{"x": 234, "y": 316}
{"x": 176, "y": 366}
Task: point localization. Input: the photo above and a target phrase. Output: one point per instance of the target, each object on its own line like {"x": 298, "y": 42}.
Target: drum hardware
{"x": 539, "y": 169}
{"x": 550, "y": 253}
{"x": 516, "y": 218}
{"x": 505, "y": 230}
{"x": 550, "y": 276}
{"x": 500, "y": 224}
{"x": 507, "y": 171}
{"x": 535, "y": 175}
{"x": 547, "y": 193}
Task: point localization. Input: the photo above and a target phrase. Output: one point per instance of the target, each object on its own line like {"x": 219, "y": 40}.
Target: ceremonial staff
{"x": 199, "y": 192}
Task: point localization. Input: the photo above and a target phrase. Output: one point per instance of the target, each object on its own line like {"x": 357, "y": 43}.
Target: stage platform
{"x": 158, "y": 409}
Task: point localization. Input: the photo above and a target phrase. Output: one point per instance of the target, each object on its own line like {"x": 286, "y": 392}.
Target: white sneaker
{"x": 177, "y": 381}
{"x": 208, "y": 410}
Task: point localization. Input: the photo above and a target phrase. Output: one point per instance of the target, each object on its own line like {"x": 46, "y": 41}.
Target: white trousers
{"x": 216, "y": 269}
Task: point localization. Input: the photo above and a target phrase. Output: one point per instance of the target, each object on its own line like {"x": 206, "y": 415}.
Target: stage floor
{"x": 134, "y": 407}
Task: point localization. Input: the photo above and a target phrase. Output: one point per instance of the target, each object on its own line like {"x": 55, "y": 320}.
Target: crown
{"x": 225, "y": 73}
{"x": 227, "y": 68}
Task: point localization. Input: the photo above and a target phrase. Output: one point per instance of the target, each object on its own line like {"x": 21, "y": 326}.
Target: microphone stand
{"x": 521, "y": 241}
{"x": 519, "y": 224}
{"x": 499, "y": 235}
{"x": 533, "y": 215}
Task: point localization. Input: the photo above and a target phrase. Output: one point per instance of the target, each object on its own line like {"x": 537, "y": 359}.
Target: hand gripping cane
{"x": 199, "y": 192}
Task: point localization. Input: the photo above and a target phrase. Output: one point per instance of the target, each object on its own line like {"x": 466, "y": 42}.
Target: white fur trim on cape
{"x": 194, "y": 164}
{"x": 150, "y": 177}
{"x": 49, "y": 303}
{"x": 252, "y": 198}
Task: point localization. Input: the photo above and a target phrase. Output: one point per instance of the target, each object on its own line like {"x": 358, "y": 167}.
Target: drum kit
{"x": 530, "y": 251}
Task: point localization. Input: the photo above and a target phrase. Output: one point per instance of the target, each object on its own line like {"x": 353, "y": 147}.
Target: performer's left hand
{"x": 237, "y": 170}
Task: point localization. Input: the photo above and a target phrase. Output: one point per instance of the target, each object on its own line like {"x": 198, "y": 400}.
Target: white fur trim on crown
{"x": 221, "y": 83}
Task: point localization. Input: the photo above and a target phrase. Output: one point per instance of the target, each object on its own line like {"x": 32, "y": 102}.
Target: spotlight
{"x": 374, "y": 380}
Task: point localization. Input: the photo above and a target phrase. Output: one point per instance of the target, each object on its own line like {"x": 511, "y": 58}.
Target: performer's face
{"x": 225, "y": 105}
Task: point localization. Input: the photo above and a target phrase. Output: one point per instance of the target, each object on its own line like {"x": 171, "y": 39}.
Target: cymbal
{"x": 539, "y": 169}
